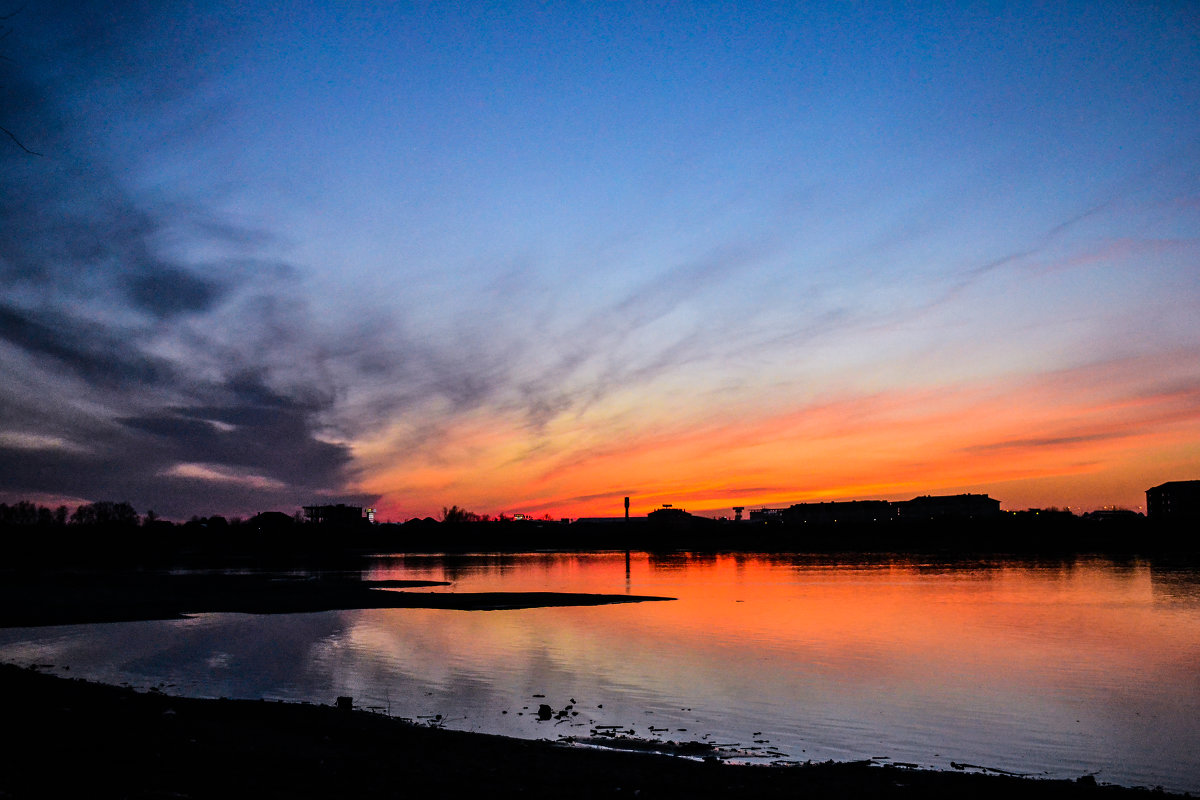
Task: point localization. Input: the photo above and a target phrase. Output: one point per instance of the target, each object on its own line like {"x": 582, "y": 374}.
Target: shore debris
{"x": 964, "y": 766}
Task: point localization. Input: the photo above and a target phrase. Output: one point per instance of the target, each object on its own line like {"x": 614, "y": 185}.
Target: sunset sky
{"x": 538, "y": 257}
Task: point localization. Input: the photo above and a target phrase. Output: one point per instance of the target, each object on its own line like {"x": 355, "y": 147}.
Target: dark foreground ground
{"x": 74, "y": 738}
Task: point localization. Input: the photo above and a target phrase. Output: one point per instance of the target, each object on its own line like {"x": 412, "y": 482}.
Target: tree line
{"x": 25, "y": 513}
{"x": 104, "y": 513}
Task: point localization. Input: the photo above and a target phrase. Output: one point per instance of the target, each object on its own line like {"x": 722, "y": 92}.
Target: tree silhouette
{"x": 455, "y": 515}
{"x": 105, "y": 512}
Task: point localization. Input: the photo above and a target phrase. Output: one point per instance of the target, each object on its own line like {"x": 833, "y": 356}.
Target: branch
{"x": 18, "y": 141}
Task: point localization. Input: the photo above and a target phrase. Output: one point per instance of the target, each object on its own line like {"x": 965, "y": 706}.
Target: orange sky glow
{"x": 1084, "y": 438}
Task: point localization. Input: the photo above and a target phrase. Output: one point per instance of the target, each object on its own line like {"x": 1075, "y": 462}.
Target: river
{"x": 1046, "y": 668}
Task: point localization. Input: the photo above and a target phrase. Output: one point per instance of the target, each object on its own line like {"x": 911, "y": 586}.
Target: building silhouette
{"x": 341, "y": 514}
{"x": 1174, "y": 500}
{"x": 857, "y": 512}
{"x": 950, "y": 506}
{"x": 846, "y": 511}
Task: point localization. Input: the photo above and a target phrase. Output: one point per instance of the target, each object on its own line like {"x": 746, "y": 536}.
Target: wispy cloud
{"x": 101, "y": 305}
{"x": 222, "y": 474}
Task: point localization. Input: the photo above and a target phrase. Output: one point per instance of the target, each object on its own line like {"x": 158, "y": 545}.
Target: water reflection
{"x": 1059, "y": 667}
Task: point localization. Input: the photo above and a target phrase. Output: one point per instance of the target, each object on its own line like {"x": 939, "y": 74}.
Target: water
{"x": 1054, "y": 669}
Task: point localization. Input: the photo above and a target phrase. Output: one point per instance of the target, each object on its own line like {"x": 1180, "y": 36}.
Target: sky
{"x": 529, "y": 257}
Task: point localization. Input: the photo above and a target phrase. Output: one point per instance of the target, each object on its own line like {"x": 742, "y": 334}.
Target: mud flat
{"x": 76, "y": 738}
{"x": 69, "y": 598}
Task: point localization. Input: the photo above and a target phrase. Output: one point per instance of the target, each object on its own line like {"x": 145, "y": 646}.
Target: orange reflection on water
{"x": 1058, "y": 668}
{"x": 980, "y": 621}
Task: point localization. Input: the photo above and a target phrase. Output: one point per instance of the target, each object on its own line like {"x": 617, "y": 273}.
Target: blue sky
{"x": 429, "y": 254}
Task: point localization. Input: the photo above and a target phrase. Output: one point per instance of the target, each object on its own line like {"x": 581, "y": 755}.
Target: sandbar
{"x": 54, "y": 598}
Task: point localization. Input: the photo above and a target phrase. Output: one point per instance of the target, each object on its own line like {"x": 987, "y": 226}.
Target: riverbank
{"x": 72, "y": 737}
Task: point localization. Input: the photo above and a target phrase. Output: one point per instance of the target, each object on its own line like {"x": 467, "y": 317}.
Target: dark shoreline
{"x": 74, "y": 737}
{"x": 279, "y": 541}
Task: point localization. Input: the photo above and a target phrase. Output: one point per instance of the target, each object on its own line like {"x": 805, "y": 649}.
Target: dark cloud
{"x": 252, "y": 447}
{"x": 241, "y": 456}
{"x": 169, "y": 290}
{"x": 105, "y": 326}
{"x": 262, "y": 432}
{"x": 1055, "y": 442}
{"x": 77, "y": 233}
{"x": 584, "y": 498}
{"x": 93, "y": 473}
{"x": 96, "y": 355}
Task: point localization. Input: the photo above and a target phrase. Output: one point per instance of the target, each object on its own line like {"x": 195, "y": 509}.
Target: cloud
{"x": 1051, "y": 442}
{"x": 631, "y": 340}
{"x": 29, "y": 441}
{"x": 221, "y": 474}
{"x": 258, "y": 450}
{"x": 108, "y": 323}
{"x": 169, "y": 290}
{"x": 95, "y": 354}
{"x": 258, "y": 429}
